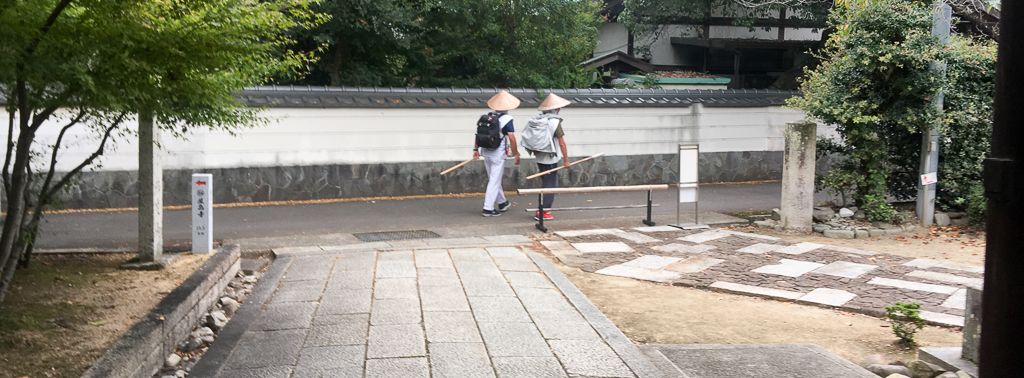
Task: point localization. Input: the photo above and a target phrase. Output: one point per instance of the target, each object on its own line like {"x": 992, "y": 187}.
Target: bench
{"x": 593, "y": 189}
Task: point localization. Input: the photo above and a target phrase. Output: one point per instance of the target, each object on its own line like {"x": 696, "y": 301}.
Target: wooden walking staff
{"x": 457, "y": 166}
{"x": 562, "y": 166}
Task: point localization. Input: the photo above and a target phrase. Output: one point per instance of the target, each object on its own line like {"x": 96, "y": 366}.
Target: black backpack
{"x": 488, "y": 131}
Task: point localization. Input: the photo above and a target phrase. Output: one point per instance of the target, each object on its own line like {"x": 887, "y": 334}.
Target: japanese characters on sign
{"x": 202, "y": 213}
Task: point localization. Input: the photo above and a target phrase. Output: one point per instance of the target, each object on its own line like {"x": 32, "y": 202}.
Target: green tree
{"x": 876, "y": 85}
{"x": 463, "y": 43}
{"x": 93, "y": 64}
{"x": 364, "y": 43}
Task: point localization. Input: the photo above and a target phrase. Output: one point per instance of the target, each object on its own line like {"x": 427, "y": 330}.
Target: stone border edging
{"x": 629, "y": 352}
{"x": 140, "y": 352}
{"x": 210, "y": 364}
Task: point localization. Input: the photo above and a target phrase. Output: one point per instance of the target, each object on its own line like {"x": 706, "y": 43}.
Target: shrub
{"x": 906, "y": 321}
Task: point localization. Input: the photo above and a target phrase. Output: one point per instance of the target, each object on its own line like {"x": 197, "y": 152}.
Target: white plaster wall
{"x": 363, "y": 136}
{"x": 611, "y": 36}
{"x": 662, "y": 51}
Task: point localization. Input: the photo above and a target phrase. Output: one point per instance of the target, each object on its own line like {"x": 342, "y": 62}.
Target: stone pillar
{"x": 798, "y": 176}
{"x": 972, "y": 325}
{"x": 151, "y": 192}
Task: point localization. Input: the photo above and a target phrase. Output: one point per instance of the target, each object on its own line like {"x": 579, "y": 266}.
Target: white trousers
{"x": 495, "y": 170}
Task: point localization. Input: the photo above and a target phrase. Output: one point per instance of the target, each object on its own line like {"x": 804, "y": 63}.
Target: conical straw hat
{"x": 553, "y": 102}
{"x": 503, "y": 102}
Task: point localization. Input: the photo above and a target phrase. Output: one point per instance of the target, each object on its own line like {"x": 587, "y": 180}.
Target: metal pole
{"x": 540, "y": 212}
{"x": 1001, "y": 325}
{"x": 930, "y": 139}
{"x": 696, "y": 207}
{"x": 649, "y": 222}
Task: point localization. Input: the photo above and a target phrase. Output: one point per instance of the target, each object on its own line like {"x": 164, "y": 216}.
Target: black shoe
{"x": 491, "y": 213}
{"x": 503, "y": 207}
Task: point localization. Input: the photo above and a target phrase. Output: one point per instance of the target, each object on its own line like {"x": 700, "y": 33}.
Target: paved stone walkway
{"x": 470, "y": 307}
{"x": 765, "y": 266}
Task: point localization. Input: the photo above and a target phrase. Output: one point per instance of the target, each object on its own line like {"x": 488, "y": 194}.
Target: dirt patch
{"x": 62, "y": 313}
{"x": 651, "y": 313}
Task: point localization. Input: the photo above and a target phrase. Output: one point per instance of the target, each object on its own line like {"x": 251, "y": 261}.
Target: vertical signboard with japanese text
{"x": 202, "y": 213}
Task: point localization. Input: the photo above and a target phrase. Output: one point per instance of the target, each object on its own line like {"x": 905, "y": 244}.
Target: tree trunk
{"x": 340, "y": 57}
{"x": 16, "y": 203}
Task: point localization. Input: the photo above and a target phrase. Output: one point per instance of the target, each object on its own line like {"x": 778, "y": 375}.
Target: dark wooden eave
{"x": 732, "y": 44}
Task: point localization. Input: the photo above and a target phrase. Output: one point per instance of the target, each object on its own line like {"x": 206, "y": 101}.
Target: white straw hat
{"x": 553, "y": 102}
{"x": 503, "y": 102}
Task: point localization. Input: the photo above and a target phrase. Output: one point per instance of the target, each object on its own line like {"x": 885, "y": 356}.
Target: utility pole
{"x": 930, "y": 139}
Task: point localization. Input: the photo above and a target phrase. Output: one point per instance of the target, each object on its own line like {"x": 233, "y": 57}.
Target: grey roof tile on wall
{"x": 376, "y": 97}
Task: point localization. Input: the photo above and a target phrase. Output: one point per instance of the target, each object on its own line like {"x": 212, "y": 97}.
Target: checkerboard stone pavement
{"x": 765, "y": 266}
{"x": 468, "y": 307}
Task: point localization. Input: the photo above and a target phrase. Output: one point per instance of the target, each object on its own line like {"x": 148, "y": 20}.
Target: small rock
{"x": 839, "y": 234}
{"x": 192, "y": 344}
{"x": 229, "y": 305}
{"x": 959, "y": 221}
{"x": 180, "y": 374}
{"x": 882, "y": 225}
{"x": 941, "y": 220}
{"x": 776, "y": 214}
{"x": 875, "y": 233}
{"x": 874, "y": 359}
{"x": 854, "y": 209}
{"x": 249, "y": 279}
{"x": 908, "y": 227}
{"x": 206, "y": 334}
{"x": 766, "y": 223}
{"x": 235, "y": 284}
{"x": 845, "y": 213}
{"x": 947, "y": 374}
{"x": 862, "y": 234}
{"x": 823, "y": 214}
{"x": 819, "y": 227}
{"x": 963, "y": 374}
{"x": 216, "y": 321}
{"x": 859, "y": 214}
{"x": 168, "y": 376}
{"x": 921, "y": 369}
{"x": 897, "y": 376}
{"x": 888, "y": 370}
{"x": 172, "y": 360}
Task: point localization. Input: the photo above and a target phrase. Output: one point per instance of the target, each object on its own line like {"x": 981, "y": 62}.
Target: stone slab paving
{"x": 452, "y": 308}
{"x": 759, "y": 265}
{"x": 752, "y": 361}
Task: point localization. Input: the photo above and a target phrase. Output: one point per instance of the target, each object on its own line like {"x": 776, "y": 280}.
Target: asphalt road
{"x": 115, "y": 230}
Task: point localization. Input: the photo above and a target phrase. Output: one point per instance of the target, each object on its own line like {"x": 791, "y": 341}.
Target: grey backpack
{"x": 538, "y": 135}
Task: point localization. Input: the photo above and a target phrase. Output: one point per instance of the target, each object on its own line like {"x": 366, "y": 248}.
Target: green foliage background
{"x": 452, "y": 43}
{"x": 875, "y": 83}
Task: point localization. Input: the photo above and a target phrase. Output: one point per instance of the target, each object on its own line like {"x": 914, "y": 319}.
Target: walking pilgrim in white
{"x": 543, "y": 137}
{"x": 495, "y": 137}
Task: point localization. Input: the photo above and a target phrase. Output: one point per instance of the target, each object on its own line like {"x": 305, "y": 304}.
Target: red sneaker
{"x": 547, "y": 215}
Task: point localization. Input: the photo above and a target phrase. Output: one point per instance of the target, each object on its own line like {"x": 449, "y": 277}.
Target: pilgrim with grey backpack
{"x": 543, "y": 138}
{"x": 493, "y": 129}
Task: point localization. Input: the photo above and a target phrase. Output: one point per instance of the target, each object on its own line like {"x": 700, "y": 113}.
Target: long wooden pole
{"x": 533, "y": 176}
{"x": 457, "y": 166}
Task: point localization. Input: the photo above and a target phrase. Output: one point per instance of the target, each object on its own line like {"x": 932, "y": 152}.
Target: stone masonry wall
{"x": 114, "y": 189}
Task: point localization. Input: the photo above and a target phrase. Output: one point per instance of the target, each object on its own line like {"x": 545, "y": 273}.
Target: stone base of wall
{"x": 114, "y": 189}
{"x": 141, "y": 351}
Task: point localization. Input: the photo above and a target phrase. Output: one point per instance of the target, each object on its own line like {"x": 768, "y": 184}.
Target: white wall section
{"x": 312, "y": 136}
